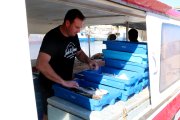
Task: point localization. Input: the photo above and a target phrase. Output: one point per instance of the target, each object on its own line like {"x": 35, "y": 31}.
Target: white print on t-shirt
{"x": 70, "y": 51}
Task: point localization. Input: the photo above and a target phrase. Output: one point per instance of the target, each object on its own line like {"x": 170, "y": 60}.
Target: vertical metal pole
{"x": 89, "y": 42}
{"x": 127, "y": 28}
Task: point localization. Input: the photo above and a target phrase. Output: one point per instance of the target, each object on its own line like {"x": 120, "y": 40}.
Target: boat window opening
{"x": 170, "y": 51}
{"x": 96, "y": 32}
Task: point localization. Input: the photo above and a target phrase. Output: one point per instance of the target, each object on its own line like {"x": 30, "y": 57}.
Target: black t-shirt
{"x": 62, "y": 51}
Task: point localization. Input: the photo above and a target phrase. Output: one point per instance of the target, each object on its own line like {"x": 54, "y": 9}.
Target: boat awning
{"x": 155, "y": 6}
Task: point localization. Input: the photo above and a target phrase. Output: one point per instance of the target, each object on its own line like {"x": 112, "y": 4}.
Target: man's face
{"x": 74, "y": 27}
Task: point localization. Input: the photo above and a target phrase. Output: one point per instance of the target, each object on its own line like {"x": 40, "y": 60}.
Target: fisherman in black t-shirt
{"x": 56, "y": 58}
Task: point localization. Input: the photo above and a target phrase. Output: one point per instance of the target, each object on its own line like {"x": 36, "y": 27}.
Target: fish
{"x": 90, "y": 92}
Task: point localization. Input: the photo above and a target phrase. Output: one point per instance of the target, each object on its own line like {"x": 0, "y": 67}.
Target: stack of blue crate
{"x": 131, "y": 56}
{"x": 125, "y": 73}
{"x": 126, "y": 68}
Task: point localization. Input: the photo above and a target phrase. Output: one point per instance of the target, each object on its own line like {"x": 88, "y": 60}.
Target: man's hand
{"x": 85, "y": 59}
{"x": 70, "y": 84}
{"x": 93, "y": 65}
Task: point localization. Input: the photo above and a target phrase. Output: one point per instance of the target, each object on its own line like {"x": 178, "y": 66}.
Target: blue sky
{"x": 173, "y": 3}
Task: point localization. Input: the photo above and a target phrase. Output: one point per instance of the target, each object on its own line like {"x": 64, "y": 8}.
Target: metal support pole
{"x": 127, "y": 28}
{"x": 89, "y": 42}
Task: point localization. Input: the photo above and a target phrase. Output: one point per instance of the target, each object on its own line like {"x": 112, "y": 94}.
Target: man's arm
{"x": 43, "y": 66}
{"x": 84, "y": 58}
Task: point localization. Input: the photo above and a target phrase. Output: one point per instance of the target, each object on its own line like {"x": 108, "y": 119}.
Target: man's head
{"x": 73, "y": 21}
{"x": 133, "y": 35}
{"x": 111, "y": 37}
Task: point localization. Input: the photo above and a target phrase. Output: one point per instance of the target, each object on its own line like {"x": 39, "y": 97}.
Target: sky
{"x": 173, "y": 3}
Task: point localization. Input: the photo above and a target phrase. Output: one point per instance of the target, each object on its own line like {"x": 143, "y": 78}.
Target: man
{"x": 59, "y": 48}
{"x": 111, "y": 37}
{"x": 133, "y": 35}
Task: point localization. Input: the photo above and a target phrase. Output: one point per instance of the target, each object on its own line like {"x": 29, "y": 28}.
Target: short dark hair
{"x": 133, "y": 35}
{"x": 111, "y": 37}
{"x": 72, "y": 14}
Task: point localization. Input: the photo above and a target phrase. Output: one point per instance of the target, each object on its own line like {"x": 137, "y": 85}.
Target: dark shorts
{"x": 46, "y": 93}
{"x": 41, "y": 94}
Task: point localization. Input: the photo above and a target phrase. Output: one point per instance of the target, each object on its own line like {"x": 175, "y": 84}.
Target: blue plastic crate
{"x": 140, "y": 48}
{"x": 79, "y": 75}
{"x": 132, "y": 57}
{"x": 88, "y": 103}
{"x": 146, "y": 74}
{"x": 126, "y": 65}
{"x": 139, "y": 86}
{"x": 145, "y": 83}
{"x": 128, "y": 89}
{"x": 120, "y": 79}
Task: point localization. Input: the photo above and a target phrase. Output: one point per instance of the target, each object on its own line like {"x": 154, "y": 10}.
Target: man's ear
{"x": 67, "y": 23}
